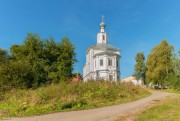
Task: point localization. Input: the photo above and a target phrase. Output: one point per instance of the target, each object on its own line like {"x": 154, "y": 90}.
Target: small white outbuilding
{"x": 133, "y": 80}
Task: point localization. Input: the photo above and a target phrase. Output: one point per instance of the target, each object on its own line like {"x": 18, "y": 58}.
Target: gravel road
{"x": 108, "y": 113}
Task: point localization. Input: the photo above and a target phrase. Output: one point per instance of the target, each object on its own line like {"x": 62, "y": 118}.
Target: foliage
{"x": 160, "y": 64}
{"x": 3, "y": 61}
{"x": 140, "y": 67}
{"x": 37, "y": 62}
{"x": 67, "y": 96}
{"x": 177, "y": 72}
{"x": 3, "y": 56}
{"x": 65, "y": 65}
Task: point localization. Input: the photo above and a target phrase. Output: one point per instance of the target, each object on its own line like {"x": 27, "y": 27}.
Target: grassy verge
{"x": 159, "y": 110}
{"x": 172, "y": 91}
{"x": 67, "y": 96}
{"x": 167, "y": 110}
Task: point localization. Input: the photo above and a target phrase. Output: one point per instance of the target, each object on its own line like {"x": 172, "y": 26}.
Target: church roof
{"x": 102, "y": 46}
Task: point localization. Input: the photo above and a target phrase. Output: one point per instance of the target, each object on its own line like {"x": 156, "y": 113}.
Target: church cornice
{"x": 88, "y": 49}
{"x": 106, "y": 53}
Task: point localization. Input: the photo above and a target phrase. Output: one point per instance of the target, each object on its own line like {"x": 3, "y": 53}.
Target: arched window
{"x": 110, "y": 77}
{"x": 101, "y": 62}
{"x": 117, "y": 63}
{"x": 103, "y": 37}
{"x": 110, "y": 62}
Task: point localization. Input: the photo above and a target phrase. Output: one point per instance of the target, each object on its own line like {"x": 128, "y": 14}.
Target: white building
{"x": 102, "y": 59}
{"x": 132, "y": 80}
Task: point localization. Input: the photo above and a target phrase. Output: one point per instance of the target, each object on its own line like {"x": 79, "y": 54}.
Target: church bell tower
{"x": 102, "y": 59}
{"x": 102, "y": 37}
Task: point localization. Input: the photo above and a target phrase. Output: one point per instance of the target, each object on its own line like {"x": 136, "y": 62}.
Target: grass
{"x": 159, "y": 110}
{"x": 167, "y": 110}
{"x": 66, "y": 97}
{"x": 172, "y": 91}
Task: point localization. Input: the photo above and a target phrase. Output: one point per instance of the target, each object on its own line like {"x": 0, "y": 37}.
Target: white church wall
{"x": 91, "y": 60}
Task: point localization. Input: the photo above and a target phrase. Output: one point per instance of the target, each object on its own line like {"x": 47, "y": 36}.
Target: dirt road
{"x": 108, "y": 113}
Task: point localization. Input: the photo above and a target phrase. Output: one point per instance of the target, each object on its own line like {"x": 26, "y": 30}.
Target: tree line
{"x": 162, "y": 66}
{"x": 36, "y": 62}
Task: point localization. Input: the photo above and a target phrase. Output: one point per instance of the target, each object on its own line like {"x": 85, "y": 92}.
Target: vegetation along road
{"x": 108, "y": 113}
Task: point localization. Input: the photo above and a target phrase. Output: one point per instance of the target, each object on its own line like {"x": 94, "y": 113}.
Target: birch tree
{"x": 160, "y": 64}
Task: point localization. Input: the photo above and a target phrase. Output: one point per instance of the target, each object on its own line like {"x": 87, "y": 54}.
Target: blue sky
{"x": 132, "y": 25}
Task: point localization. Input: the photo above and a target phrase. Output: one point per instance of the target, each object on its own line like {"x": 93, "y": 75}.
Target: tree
{"x": 31, "y": 51}
{"x": 16, "y": 74}
{"x": 177, "y": 72}
{"x": 140, "y": 67}
{"x": 3, "y": 56}
{"x": 177, "y": 66}
{"x": 52, "y": 51}
{"x": 3, "y": 61}
{"x": 37, "y": 62}
{"x": 66, "y": 59}
{"x": 160, "y": 64}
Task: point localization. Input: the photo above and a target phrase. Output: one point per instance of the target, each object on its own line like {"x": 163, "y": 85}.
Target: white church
{"x": 102, "y": 59}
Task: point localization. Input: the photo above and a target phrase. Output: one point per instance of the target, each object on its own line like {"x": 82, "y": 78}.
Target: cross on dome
{"x": 102, "y": 19}
{"x": 102, "y": 25}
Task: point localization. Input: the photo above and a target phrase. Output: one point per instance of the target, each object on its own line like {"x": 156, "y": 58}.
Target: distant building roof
{"x": 128, "y": 79}
{"x": 77, "y": 78}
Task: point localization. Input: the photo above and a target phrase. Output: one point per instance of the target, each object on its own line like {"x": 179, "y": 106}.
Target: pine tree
{"x": 66, "y": 59}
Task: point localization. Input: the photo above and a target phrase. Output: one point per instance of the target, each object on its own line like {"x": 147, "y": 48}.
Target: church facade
{"x": 102, "y": 59}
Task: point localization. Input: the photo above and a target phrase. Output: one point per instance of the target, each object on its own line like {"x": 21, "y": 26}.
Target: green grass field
{"x": 167, "y": 110}
{"x": 172, "y": 91}
{"x": 67, "y": 96}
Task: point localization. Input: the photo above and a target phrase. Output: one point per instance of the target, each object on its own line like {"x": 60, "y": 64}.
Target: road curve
{"x": 108, "y": 113}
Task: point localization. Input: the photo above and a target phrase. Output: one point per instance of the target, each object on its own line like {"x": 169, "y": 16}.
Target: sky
{"x": 132, "y": 25}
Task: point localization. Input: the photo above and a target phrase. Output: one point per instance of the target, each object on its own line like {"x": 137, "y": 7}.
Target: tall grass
{"x": 67, "y": 96}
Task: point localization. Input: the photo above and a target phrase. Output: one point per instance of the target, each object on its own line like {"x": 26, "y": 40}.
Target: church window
{"x": 101, "y": 62}
{"x": 110, "y": 62}
{"x": 118, "y": 77}
{"x": 110, "y": 77}
{"x": 117, "y": 63}
{"x": 103, "y": 37}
